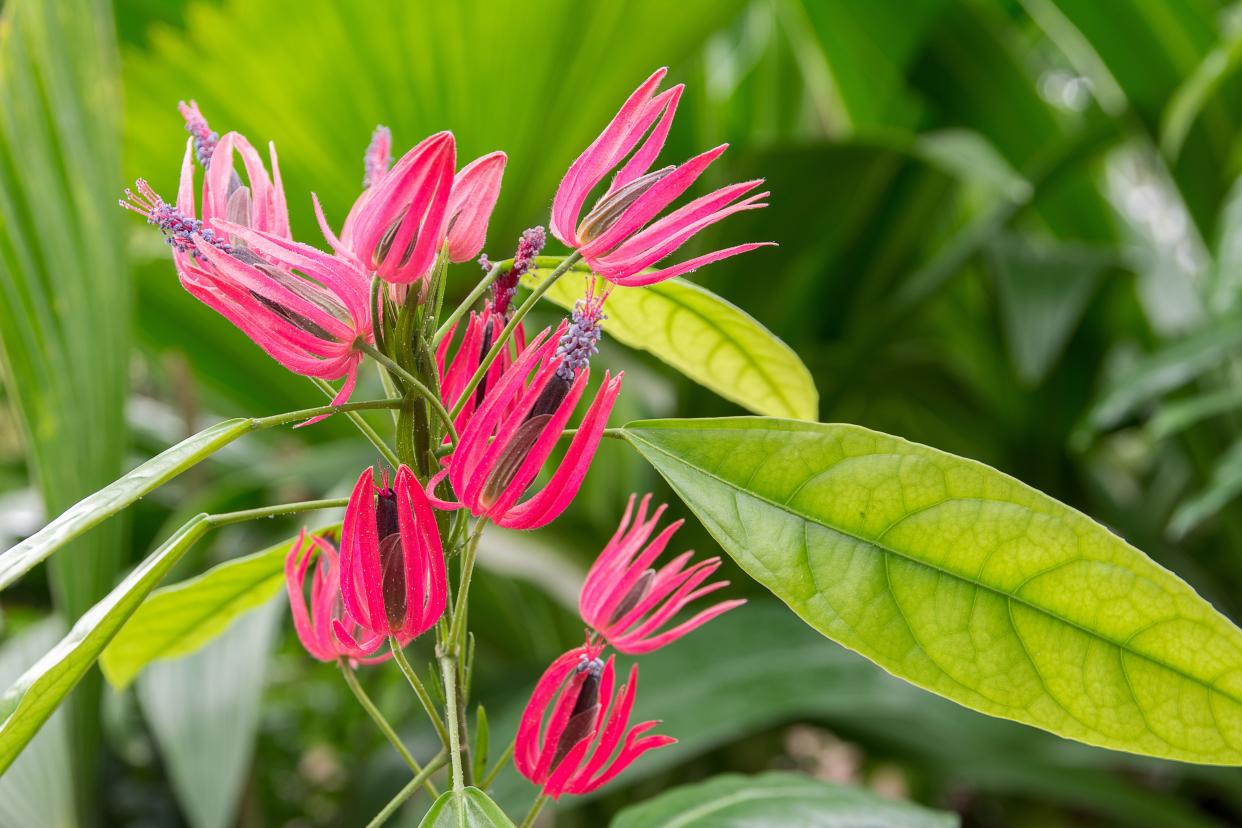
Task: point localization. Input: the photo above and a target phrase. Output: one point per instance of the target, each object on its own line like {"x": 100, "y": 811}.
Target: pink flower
{"x": 306, "y": 309}
{"x": 627, "y": 601}
{"x": 393, "y": 578}
{"x": 481, "y": 332}
{"x": 397, "y": 225}
{"x": 314, "y": 628}
{"x": 475, "y": 190}
{"x": 378, "y": 156}
{"x": 512, "y": 433}
{"x": 573, "y": 725}
{"x": 620, "y": 235}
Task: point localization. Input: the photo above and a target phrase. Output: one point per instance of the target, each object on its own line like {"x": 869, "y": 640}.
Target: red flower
{"x": 627, "y": 601}
{"x": 314, "y": 628}
{"x": 620, "y": 236}
{"x": 481, "y": 332}
{"x": 393, "y": 580}
{"x": 512, "y": 433}
{"x": 568, "y": 738}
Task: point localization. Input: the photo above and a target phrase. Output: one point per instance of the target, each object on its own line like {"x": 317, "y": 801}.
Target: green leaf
{"x": 1224, "y": 485}
{"x": 39, "y": 788}
{"x": 95, "y": 508}
{"x": 482, "y": 743}
{"x": 711, "y": 341}
{"x": 963, "y": 581}
{"x": 203, "y": 710}
{"x": 179, "y": 619}
{"x": 470, "y": 809}
{"x": 65, "y": 292}
{"x": 1163, "y": 370}
{"x": 1194, "y": 93}
{"x": 779, "y": 670}
{"x": 1177, "y": 415}
{"x": 1043, "y": 290}
{"x": 776, "y": 800}
{"x": 28, "y": 703}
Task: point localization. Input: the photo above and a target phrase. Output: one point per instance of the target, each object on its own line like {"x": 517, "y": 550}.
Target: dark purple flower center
{"x": 585, "y": 712}
{"x": 392, "y": 557}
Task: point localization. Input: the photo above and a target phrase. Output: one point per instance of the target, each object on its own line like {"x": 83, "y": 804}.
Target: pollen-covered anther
{"x": 378, "y": 156}
{"x": 581, "y": 339}
{"x": 205, "y": 139}
{"x": 179, "y": 230}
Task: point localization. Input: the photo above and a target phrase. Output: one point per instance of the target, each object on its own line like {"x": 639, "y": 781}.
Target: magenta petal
{"x": 475, "y": 190}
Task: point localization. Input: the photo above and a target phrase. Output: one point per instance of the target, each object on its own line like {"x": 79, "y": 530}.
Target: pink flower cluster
{"x": 511, "y": 398}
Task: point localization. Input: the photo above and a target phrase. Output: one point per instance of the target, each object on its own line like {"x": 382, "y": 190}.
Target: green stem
{"x": 414, "y": 383}
{"x": 448, "y": 668}
{"x": 502, "y": 341}
{"x": 463, "y": 587}
{"x": 362, "y": 426}
{"x": 420, "y": 690}
{"x": 469, "y": 301}
{"x": 535, "y": 808}
{"x": 496, "y": 769}
{"x": 307, "y": 413}
{"x": 389, "y": 733}
{"x": 229, "y": 518}
{"x": 405, "y": 793}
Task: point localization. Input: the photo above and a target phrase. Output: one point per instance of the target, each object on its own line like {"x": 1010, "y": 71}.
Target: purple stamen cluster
{"x": 580, "y": 340}
{"x": 379, "y": 155}
{"x": 205, "y": 139}
{"x": 179, "y": 230}
{"x": 530, "y": 245}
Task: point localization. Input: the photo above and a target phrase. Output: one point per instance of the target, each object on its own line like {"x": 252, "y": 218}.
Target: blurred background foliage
{"x": 1010, "y": 229}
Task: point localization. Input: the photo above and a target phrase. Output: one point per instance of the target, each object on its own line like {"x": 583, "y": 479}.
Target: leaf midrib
{"x": 1124, "y": 647}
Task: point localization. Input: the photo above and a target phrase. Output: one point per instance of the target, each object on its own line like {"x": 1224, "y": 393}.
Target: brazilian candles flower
{"x": 396, "y": 226}
{"x": 512, "y": 433}
{"x": 306, "y": 309}
{"x": 455, "y": 373}
{"x": 621, "y": 236}
{"x": 393, "y": 580}
{"x": 627, "y": 601}
{"x": 570, "y": 736}
{"x": 315, "y": 627}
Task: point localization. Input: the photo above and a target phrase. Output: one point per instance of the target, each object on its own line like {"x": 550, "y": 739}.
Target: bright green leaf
{"x": 28, "y": 703}
{"x": 964, "y": 581}
{"x": 775, "y": 800}
{"x": 179, "y": 619}
{"x": 711, "y": 341}
{"x": 95, "y": 508}
{"x": 470, "y": 809}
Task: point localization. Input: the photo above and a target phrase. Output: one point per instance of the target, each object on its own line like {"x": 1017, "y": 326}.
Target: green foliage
{"x": 707, "y": 339}
{"x": 469, "y": 809}
{"x": 775, "y": 799}
{"x": 178, "y": 620}
{"x": 963, "y": 581}
{"x": 116, "y": 496}
{"x": 28, "y": 703}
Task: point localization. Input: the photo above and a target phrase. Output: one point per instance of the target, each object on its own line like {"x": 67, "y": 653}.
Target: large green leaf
{"x": 179, "y": 619}
{"x": 780, "y": 671}
{"x": 710, "y": 340}
{"x": 469, "y": 809}
{"x": 65, "y": 287}
{"x": 203, "y": 710}
{"x": 776, "y": 800}
{"x": 38, "y": 788}
{"x": 28, "y": 703}
{"x": 964, "y": 581}
{"x": 98, "y": 507}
